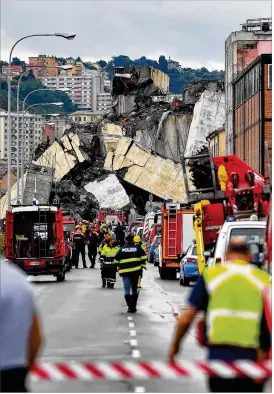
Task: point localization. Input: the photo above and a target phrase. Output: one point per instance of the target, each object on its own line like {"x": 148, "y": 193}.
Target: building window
{"x": 270, "y": 76}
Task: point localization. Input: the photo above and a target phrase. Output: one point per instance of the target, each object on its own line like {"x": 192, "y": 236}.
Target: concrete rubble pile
{"x": 136, "y": 149}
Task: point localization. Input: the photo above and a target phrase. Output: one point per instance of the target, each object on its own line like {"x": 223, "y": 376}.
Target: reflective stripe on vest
{"x": 235, "y": 304}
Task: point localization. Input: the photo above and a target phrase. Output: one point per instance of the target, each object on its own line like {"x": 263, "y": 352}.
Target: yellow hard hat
{"x": 137, "y": 239}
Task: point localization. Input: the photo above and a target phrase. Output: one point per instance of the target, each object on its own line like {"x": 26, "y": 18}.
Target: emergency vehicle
{"x": 111, "y": 217}
{"x": 34, "y": 240}
{"x": 237, "y": 192}
{"x": 177, "y": 235}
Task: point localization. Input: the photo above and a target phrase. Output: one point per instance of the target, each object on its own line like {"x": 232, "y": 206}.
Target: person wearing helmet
{"x": 108, "y": 269}
{"x": 137, "y": 241}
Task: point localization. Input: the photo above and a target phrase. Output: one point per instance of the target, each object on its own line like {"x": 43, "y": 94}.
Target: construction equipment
{"x": 177, "y": 235}
{"x": 236, "y": 192}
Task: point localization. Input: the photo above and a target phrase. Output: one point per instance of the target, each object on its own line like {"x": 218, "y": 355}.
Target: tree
{"x": 163, "y": 64}
{"x": 102, "y": 63}
{"x": 78, "y": 59}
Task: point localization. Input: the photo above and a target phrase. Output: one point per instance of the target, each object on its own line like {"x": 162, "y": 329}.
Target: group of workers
{"x": 233, "y": 297}
{"x": 126, "y": 255}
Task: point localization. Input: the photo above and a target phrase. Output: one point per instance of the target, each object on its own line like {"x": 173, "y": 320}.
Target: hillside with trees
{"x": 178, "y": 79}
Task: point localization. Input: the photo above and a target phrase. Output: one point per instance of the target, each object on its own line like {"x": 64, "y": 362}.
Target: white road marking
{"x": 133, "y": 342}
{"x": 136, "y": 353}
{"x": 132, "y": 333}
{"x": 131, "y": 325}
{"x": 129, "y": 317}
{"x": 140, "y": 389}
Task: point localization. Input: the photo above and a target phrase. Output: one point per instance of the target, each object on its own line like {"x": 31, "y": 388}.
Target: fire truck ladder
{"x": 42, "y": 245}
{"x": 172, "y": 230}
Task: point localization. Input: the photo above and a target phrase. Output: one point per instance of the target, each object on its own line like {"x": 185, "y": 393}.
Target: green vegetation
{"x": 178, "y": 80}
{"x": 27, "y": 85}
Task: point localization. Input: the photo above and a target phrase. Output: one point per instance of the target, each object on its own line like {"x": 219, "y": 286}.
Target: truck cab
{"x": 34, "y": 240}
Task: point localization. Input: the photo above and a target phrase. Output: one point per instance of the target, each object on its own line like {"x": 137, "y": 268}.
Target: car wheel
{"x": 186, "y": 282}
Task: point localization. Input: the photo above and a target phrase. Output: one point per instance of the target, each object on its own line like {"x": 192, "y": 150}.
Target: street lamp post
{"x": 18, "y": 109}
{"x": 67, "y": 36}
{"x": 58, "y": 104}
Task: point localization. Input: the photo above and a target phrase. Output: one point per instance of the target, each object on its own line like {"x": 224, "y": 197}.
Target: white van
{"x": 252, "y": 231}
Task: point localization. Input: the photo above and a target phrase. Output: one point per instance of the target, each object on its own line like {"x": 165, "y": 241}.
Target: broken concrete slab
{"x": 38, "y": 184}
{"x": 209, "y": 114}
{"x": 138, "y": 166}
{"x": 109, "y": 193}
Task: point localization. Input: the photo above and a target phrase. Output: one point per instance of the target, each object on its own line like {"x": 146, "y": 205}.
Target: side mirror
{"x": 183, "y": 255}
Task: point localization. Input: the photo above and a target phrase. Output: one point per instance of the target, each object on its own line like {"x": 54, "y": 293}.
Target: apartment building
{"x": 14, "y": 70}
{"x": 104, "y": 102}
{"x": 252, "y": 112}
{"x": 241, "y": 48}
{"x": 173, "y": 65}
{"x": 83, "y": 90}
{"x": 32, "y": 136}
{"x": 83, "y": 117}
{"x": 44, "y": 65}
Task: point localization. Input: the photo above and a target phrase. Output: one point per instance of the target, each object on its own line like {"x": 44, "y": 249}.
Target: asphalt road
{"x": 83, "y": 322}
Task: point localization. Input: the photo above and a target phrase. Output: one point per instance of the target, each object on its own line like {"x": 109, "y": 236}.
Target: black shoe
{"x": 134, "y": 303}
{"x": 128, "y": 301}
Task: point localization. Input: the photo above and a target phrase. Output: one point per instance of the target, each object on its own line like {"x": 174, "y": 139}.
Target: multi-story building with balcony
{"x": 43, "y": 65}
{"x": 83, "y": 90}
{"x": 242, "y": 48}
{"x": 31, "y": 137}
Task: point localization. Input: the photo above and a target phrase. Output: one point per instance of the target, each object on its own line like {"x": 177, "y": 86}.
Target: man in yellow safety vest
{"x": 231, "y": 296}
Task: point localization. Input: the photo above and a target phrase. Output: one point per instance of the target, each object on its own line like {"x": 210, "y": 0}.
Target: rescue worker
{"x": 130, "y": 259}
{"x": 20, "y": 330}
{"x": 79, "y": 240}
{"x": 137, "y": 241}
{"x": 231, "y": 297}
{"x": 120, "y": 234}
{"x": 93, "y": 240}
{"x": 108, "y": 271}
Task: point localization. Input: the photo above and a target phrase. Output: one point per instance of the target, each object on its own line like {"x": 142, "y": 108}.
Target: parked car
{"x": 189, "y": 266}
{"x": 155, "y": 243}
{"x": 252, "y": 231}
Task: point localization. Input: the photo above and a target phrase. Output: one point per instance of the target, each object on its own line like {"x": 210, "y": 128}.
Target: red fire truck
{"x": 177, "y": 235}
{"x": 34, "y": 240}
{"x": 237, "y": 193}
{"x": 112, "y": 217}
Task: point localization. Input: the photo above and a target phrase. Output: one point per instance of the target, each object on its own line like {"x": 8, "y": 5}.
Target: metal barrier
{"x": 150, "y": 370}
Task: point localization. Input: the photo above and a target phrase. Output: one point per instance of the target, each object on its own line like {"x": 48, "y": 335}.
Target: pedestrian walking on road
{"x": 79, "y": 240}
{"x": 231, "y": 296}
{"x": 93, "y": 242}
{"x": 20, "y": 331}
{"x": 130, "y": 260}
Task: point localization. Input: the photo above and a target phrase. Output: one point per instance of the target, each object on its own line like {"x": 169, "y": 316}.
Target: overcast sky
{"x": 192, "y": 32}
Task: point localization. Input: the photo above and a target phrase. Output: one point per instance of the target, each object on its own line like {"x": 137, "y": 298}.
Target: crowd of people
{"x": 118, "y": 252}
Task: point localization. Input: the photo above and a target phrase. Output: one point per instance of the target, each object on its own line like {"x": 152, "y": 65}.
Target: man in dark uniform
{"x": 130, "y": 260}
{"x": 93, "y": 241}
{"x": 79, "y": 240}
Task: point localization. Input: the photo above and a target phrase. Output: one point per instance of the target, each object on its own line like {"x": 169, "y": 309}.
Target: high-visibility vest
{"x": 268, "y": 307}
{"x": 109, "y": 252}
{"x": 235, "y": 303}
